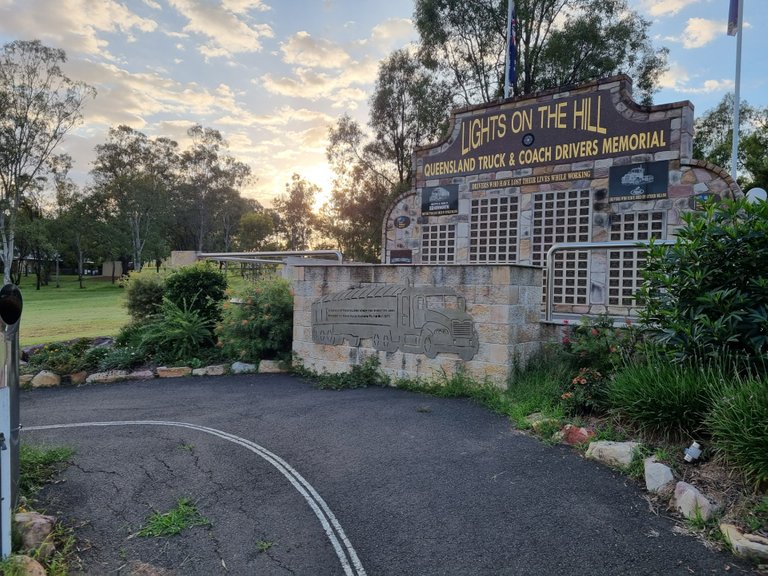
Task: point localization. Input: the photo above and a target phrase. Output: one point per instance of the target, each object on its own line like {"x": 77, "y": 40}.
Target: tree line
{"x": 147, "y": 196}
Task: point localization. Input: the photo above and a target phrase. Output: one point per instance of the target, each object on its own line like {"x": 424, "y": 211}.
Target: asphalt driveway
{"x": 296, "y": 480}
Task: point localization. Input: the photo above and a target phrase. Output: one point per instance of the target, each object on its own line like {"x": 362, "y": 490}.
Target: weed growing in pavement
{"x": 182, "y": 516}
{"x": 264, "y": 545}
{"x": 38, "y": 466}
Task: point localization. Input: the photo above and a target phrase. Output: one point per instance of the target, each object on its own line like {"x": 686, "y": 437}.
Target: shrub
{"x": 707, "y": 296}
{"x": 597, "y": 344}
{"x": 663, "y": 398}
{"x": 738, "y": 423}
{"x": 62, "y": 357}
{"x": 260, "y": 325}
{"x": 122, "y": 358}
{"x": 176, "y": 334}
{"x": 93, "y": 357}
{"x": 144, "y": 295}
{"x": 199, "y": 288}
{"x": 585, "y": 392}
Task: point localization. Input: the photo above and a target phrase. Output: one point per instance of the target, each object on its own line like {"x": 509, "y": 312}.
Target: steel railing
{"x": 589, "y": 247}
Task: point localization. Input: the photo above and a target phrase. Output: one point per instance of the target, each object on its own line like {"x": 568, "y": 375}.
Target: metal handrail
{"x": 263, "y": 257}
{"x": 588, "y": 246}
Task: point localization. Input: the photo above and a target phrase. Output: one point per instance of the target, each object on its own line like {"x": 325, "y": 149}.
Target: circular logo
{"x": 402, "y": 222}
{"x": 528, "y": 139}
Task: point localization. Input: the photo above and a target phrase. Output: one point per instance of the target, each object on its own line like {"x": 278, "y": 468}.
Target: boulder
{"x": 78, "y": 377}
{"x": 46, "y": 379}
{"x": 691, "y": 503}
{"x": 28, "y": 566}
{"x": 749, "y": 546}
{"x": 141, "y": 375}
{"x": 657, "y": 475}
{"x": 574, "y": 435}
{"x": 176, "y": 372}
{"x": 107, "y": 377}
{"x": 25, "y": 379}
{"x": 243, "y": 368}
{"x": 612, "y": 453}
{"x": 216, "y": 370}
{"x": 35, "y": 530}
{"x": 270, "y": 367}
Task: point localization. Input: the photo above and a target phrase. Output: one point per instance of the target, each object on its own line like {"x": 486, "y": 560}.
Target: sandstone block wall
{"x": 503, "y": 300}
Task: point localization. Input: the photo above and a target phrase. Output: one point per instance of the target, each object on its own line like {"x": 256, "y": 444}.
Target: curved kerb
{"x": 343, "y": 548}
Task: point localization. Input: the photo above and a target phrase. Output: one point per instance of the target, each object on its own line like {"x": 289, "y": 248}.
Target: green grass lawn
{"x": 54, "y": 314}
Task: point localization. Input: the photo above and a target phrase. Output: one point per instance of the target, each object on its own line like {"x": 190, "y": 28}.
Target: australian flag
{"x": 733, "y": 18}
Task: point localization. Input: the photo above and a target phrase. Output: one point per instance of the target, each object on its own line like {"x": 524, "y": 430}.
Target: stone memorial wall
{"x": 586, "y": 164}
{"x": 419, "y": 321}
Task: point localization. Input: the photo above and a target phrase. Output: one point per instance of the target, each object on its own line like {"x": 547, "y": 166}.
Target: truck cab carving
{"x": 420, "y": 320}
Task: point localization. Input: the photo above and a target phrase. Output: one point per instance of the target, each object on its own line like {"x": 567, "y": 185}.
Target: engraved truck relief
{"x": 424, "y": 320}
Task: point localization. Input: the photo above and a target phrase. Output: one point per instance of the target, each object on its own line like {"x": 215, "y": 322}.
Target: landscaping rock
{"x": 107, "y": 377}
{"x": 658, "y": 476}
{"x": 177, "y": 372}
{"x": 46, "y": 379}
{"x": 217, "y": 370}
{"x": 612, "y": 453}
{"x": 574, "y": 435}
{"x": 25, "y": 379}
{"x": 270, "y": 367}
{"x": 749, "y": 546}
{"x": 141, "y": 375}
{"x": 35, "y": 530}
{"x": 243, "y": 368}
{"x": 78, "y": 377}
{"x": 28, "y": 565}
{"x": 691, "y": 503}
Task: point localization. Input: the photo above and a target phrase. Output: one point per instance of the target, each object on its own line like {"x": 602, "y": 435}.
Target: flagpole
{"x": 510, "y": 10}
{"x": 737, "y": 95}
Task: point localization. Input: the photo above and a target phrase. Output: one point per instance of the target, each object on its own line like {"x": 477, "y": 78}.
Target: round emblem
{"x": 402, "y": 222}
{"x": 528, "y": 139}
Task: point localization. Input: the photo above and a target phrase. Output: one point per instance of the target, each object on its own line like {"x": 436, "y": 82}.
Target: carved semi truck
{"x": 422, "y": 320}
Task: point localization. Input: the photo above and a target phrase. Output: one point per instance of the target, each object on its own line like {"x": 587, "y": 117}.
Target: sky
{"x": 273, "y": 75}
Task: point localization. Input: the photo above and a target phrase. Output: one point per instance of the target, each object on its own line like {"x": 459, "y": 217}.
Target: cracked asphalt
{"x": 419, "y": 486}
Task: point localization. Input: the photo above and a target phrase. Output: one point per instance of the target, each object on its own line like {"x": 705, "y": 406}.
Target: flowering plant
{"x": 599, "y": 344}
{"x": 585, "y": 393}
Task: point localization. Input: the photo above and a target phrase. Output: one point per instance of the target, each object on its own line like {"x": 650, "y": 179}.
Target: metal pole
{"x": 507, "y": 79}
{"x": 10, "y": 314}
{"x": 737, "y": 95}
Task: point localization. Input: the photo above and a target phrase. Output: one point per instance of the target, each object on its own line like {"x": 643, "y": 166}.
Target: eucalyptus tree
{"x": 558, "y": 42}
{"x": 209, "y": 175}
{"x": 297, "y": 221}
{"x": 39, "y": 104}
{"x": 712, "y": 141}
{"x": 133, "y": 177}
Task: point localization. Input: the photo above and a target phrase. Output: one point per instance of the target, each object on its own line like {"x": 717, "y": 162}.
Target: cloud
{"x": 678, "y": 79}
{"x": 228, "y": 32}
{"x": 304, "y": 50}
{"x": 393, "y": 29}
{"x": 73, "y": 25}
{"x": 700, "y": 32}
{"x": 313, "y": 84}
{"x": 243, "y": 6}
{"x": 666, "y": 7}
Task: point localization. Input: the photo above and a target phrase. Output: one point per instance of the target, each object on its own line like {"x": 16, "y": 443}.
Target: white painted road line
{"x": 344, "y": 550}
